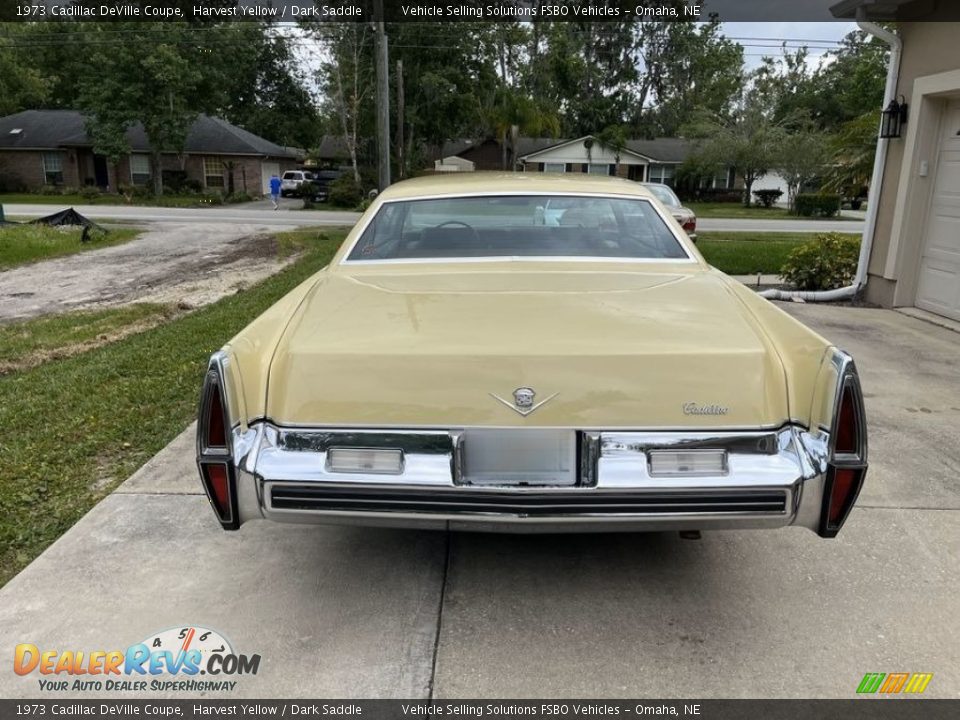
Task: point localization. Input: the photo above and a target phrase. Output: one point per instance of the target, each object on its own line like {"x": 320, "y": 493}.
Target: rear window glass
{"x": 518, "y": 226}
{"x": 290, "y": 175}
{"x": 664, "y": 195}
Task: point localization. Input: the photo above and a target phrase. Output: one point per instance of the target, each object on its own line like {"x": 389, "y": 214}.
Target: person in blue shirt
{"x": 275, "y": 191}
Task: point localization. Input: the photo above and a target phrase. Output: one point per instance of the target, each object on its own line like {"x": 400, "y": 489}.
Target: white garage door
{"x": 268, "y": 170}
{"x": 939, "y": 283}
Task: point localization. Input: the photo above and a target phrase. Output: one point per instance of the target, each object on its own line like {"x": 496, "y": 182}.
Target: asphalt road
{"x": 257, "y": 213}
{"x": 351, "y": 612}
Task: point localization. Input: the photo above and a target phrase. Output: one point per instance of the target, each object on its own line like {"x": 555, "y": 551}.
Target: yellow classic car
{"x": 527, "y": 352}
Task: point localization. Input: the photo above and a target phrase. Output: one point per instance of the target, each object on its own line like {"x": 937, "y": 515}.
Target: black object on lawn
{"x": 71, "y": 217}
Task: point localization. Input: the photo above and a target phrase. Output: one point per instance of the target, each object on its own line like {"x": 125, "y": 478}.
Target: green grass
{"x": 21, "y": 244}
{"x": 29, "y": 343}
{"x": 75, "y": 428}
{"x": 105, "y": 199}
{"x": 736, "y": 210}
{"x": 747, "y": 253}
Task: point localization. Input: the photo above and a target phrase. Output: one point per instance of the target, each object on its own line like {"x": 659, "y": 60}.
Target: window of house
{"x": 721, "y": 179}
{"x": 662, "y": 174}
{"x": 53, "y": 168}
{"x": 140, "y": 169}
{"x": 213, "y": 172}
{"x": 598, "y": 169}
{"x": 554, "y": 167}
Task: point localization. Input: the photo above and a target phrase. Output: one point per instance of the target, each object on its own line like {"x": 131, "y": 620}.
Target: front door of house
{"x": 100, "y": 173}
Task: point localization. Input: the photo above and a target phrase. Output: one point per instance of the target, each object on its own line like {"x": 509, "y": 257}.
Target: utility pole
{"x": 401, "y": 168}
{"x": 383, "y": 100}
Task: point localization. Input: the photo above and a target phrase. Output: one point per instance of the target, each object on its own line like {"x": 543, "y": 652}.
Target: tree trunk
{"x": 155, "y": 159}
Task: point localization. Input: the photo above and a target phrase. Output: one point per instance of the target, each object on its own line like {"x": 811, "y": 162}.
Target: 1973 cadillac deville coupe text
{"x": 529, "y": 352}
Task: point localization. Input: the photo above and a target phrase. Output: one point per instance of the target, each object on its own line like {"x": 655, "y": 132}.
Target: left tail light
{"x": 690, "y": 225}
{"x": 847, "y": 463}
{"x": 214, "y": 453}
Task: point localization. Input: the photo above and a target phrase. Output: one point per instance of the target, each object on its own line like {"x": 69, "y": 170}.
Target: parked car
{"x": 291, "y": 180}
{"x": 683, "y": 215}
{"x": 320, "y": 184}
{"x": 462, "y": 363}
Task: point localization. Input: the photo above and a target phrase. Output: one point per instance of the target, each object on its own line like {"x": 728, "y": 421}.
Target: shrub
{"x": 49, "y": 190}
{"x": 767, "y": 197}
{"x": 211, "y": 198}
{"x": 817, "y": 205}
{"x": 241, "y": 196}
{"x": 828, "y": 261}
{"x": 89, "y": 193}
{"x": 344, "y": 192}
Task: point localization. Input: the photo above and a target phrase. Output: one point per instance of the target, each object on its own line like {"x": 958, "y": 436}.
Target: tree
{"x": 162, "y": 81}
{"x": 852, "y": 153}
{"x": 747, "y": 141}
{"x": 687, "y": 68}
{"x": 22, "y": 85}
{"x": 802, "y": 157}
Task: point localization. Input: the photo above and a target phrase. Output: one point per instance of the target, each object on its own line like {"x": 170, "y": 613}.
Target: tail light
{"x": 214, "y": 455}
{"x": 847, "y": 464}
{"x": 690, "y": 225}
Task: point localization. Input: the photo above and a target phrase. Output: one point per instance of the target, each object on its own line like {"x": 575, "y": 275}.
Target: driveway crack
{"x": 443, "y": 595}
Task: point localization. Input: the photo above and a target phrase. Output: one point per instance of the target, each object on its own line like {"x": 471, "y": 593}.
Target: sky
{"x": 766, "y": 37}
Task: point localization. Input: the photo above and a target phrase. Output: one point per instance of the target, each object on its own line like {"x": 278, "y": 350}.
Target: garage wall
{"x": 928, "y": 49}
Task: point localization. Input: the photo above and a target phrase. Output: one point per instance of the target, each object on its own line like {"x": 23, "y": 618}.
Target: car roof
{"x": 493, "y": 183}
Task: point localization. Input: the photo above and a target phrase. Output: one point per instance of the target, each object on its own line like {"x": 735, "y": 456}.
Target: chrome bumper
{"x": 773, "y": 478}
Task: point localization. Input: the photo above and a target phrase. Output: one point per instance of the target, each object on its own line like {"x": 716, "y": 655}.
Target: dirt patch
{"x": 39, "y": 357}
{"x": 188, "y": 264}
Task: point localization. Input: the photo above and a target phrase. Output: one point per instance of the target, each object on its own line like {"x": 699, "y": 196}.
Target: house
{"x": 642, "y": 160}
{"x": 914, "y": 245}
{"x": 453, "y": 163}
{"x": 52, "y": 147}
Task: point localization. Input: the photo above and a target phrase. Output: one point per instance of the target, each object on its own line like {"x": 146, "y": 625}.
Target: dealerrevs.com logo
{"x": 183, "y": 659}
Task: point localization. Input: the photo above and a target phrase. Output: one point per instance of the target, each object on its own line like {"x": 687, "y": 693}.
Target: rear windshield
{"x": 291, "y": 175}
{"x": 510, "y": 226}
{"x": 664, "y": 195}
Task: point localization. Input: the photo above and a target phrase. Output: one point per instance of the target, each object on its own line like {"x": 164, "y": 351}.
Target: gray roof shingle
{"x": 49, "y": 129}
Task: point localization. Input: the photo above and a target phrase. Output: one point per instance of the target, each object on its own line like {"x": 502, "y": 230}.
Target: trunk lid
{"x": 616, "y": 348}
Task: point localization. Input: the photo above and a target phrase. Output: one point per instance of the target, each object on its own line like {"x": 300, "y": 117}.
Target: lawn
{"x": 82, "y": 424}
{"x": 748, "y": 253}
{"x": 29, "y": 343}
{"x": 72, "y": 199}
{"x": 736, "y": 210}
{"x": 21, "y": 244}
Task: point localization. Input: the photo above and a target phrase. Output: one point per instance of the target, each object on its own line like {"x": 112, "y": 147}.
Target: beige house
{"x": 915, "y": 253}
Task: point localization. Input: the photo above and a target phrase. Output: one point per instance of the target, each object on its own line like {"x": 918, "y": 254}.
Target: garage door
{"x": 939, "y": 283}
{"x": 268, "y": 170}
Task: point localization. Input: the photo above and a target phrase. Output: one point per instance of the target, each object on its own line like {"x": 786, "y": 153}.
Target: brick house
{"x": 52, "y": 147}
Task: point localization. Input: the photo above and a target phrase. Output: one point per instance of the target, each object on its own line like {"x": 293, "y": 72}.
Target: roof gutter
{"x": 873, "y": 195}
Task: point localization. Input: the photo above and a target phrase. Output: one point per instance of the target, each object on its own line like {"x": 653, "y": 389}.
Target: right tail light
{"x": 847, "y": 464}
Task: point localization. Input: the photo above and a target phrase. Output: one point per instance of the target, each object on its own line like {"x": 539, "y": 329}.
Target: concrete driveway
{"x": 353, "y": 612}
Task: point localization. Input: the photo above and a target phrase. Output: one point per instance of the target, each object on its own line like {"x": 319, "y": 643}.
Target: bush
{"x": 89, "y": 193}
{"x": 211, "y": 198}
{"x": 817, "y": 205}
{"x": 344, "y": 192}
{"x": 767, "y": 197}
{"x": 717, "y": 195}
{"x": 241, "y": 196}
{"x": 828, "y": 261}
{"x": 49, "y": 190}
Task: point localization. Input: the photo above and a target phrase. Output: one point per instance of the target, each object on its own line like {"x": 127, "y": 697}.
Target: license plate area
{"x": 518, "y": 458}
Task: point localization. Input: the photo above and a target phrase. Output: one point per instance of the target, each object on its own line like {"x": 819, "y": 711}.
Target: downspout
{"x": 873, "y": 195}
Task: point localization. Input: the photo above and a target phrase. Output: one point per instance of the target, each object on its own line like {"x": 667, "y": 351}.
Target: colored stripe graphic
{"x": 913, "y": 683}
{"x": 871, "y": 682}
{"x": 918, "y": 682}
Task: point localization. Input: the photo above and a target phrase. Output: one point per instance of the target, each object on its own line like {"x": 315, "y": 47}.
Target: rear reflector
{"x": 385, "y": 461}
{"x": 216, "y": 434}
{"x": 845, "y": 486}
{"x": 679, "y": 463}
{"x": 218, "y": 485}
{"x": 848, "y": 432}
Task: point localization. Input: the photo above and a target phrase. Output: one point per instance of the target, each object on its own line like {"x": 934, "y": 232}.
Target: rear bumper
{"x": 772, "y": 478}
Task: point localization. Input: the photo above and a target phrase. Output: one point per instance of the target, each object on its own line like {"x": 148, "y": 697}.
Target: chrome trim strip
{"x": 788, "y": 460}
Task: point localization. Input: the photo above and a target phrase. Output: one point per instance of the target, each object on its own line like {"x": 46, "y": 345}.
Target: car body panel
{"x": 623, "y": 357}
